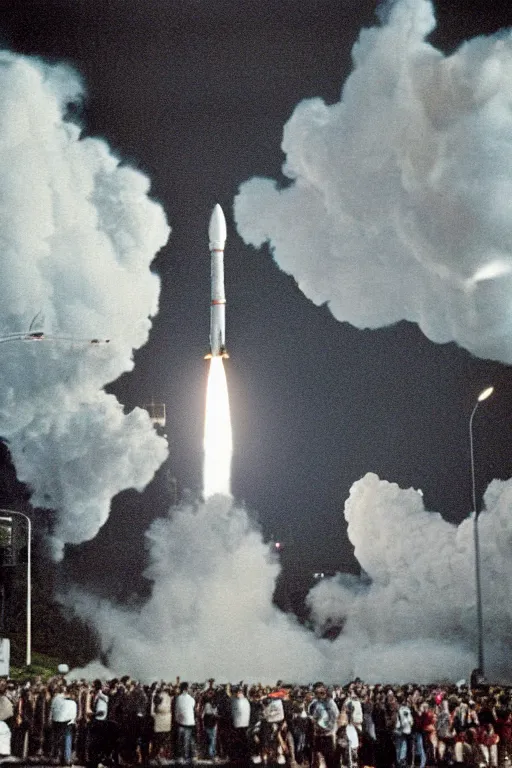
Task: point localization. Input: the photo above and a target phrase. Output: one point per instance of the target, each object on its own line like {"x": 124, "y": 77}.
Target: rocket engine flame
{"x": 218, "y": 439}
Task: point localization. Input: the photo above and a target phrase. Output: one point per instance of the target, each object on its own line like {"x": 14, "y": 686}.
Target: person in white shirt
{"x": 240, "y": 710}
{"x": 354, "y": 711}
{"x": 5, "y": 739}
{"x": 240, "y": 716}
{"x": 161, "y": 712}
{"x": 185, "y": 717}
{"x": 98, "y": 730}
{"x": 324, "y": 714}
{"x": 63, "y": 712}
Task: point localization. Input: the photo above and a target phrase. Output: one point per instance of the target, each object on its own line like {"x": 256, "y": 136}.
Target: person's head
{"x": 97, "y": 685}
{"x": 183, "y": 687}
{"x": 320, "y": 691}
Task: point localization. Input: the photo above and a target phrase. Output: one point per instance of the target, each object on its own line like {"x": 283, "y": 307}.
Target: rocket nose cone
{"x": 217, "y": 229}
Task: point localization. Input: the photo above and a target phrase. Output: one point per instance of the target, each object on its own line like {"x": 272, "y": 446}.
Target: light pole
{"x": 8, "y": 513}
{"x": 34, "y": 336}
{"x": 28, "y": 654}
{"x": 478, "y": 582}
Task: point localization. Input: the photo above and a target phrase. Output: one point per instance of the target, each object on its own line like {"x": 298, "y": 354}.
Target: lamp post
{"x": 35, "y": 336}
{"x": 478, "y": 582}
{"x": 9, "y": 512}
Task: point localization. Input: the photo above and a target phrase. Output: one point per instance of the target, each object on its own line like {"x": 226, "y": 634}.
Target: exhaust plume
{"x": 401, "y": 191}
{"x": 78, "y": 232}
{"x": 218, "y": 441}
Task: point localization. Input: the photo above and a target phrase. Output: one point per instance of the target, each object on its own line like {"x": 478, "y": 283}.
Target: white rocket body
{"x": 217, "y": 235}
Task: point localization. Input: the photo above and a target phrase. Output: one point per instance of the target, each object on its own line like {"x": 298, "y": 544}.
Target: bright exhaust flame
{"x": 218, "y": 440}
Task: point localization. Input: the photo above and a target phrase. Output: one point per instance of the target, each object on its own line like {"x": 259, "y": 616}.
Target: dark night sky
{"x": 196, "y": 94}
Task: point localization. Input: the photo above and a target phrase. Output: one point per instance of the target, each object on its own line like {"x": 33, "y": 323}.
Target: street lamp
{"x": 35, "y": 336}
{"x": 478, "y": 583}
{"x": 8, "y": 513}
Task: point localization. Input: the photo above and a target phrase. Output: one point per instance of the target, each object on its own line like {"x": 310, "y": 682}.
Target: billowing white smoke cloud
{"x": 413, "y": 615}
{"x": 400, "y": 201}
{"x": 410, "y": 617}
{"x": 77, "y": 235}
{"x": 211, "y": 611}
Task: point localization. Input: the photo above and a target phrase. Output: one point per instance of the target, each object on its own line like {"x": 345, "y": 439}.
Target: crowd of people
{"x": 122, "y": 722}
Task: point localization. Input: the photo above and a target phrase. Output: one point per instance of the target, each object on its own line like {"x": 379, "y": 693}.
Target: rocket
{"x": 217, "y": 237}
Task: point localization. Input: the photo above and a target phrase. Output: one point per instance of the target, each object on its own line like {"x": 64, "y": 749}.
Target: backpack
{"x": 444, "y": 730}
{"x": 404, "y": 721}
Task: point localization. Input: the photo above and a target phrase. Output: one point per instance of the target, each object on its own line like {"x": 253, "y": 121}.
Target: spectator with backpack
{"x": 403, "y": 731}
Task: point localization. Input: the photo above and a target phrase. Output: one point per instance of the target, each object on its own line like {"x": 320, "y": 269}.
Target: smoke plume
{"x": 412, "y": 615}
{"x": 398, "y": 197}
{"x": 77, "y": 235}
{"x": 210, "y": 613}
